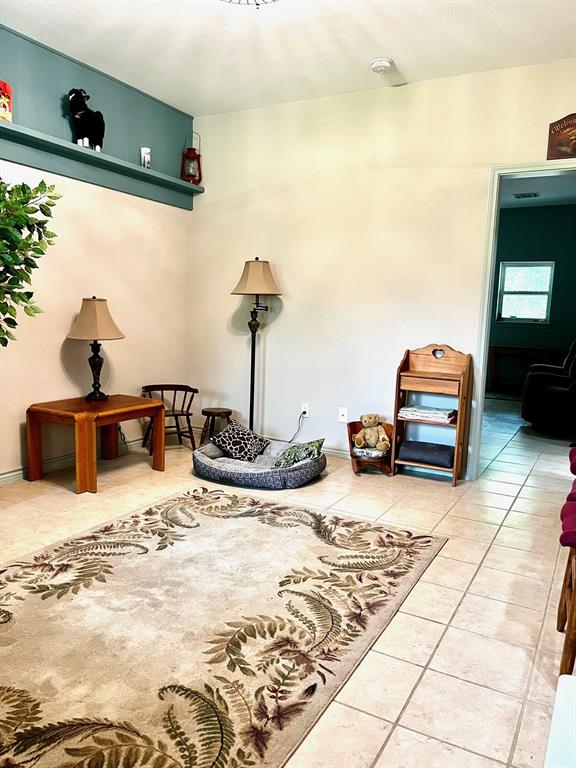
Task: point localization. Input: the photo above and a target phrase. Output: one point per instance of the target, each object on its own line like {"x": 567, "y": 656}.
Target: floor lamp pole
{"x": 254, "y": 325}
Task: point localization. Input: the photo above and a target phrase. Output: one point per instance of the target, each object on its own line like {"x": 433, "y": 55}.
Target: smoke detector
{"x": 382, "y": 65}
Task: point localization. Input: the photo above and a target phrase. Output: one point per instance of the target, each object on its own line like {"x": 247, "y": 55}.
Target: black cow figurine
{"x": 89, "y": 124}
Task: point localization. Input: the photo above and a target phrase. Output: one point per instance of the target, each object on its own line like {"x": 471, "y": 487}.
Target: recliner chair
{"x": 549, "y": 399}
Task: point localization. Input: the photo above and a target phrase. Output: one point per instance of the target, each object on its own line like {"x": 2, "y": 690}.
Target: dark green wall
{"x": 41, "y": 78}
{"x": 546, "y": 233}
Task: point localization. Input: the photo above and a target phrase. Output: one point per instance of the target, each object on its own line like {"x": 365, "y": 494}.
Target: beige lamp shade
{"x": 257, "y": 279}
{"x": 94, "y": 322}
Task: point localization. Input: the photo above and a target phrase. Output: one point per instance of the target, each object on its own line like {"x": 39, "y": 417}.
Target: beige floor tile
{"x": 314, "y": 495}
{"x": 410, "y": 638}
{"x": 533, "y": 737}
{"x": 407, "y": 749}
{"x": 551, "y": 641}
{"x": 537, "y": 566}
{"x": 493, "y": 663}
{"x": 502, "y": 621}
{"x": 507, "y": 460}
{"x": 433, "y": 501}
{"x": 488, "y": 485}
{"x": 529, "y": 541}
{"x": 545, "y": 482}
{"x": 365, "y": 506}
{"x": 524, "y": 522}
{"x": 431, "y": 601}
{"x": 560, "y": 568}
{"x": 512, "y": 466}
{"x": 498, "y": 500}
{"x": 545, "y": 678}
{"x": 465, "y": 549}
{"x": 478, "y": 512}
{"x": 545, "y": 509}
{"x": 538, "y": 494}
{"x": 466, "y": 529}
{"x": 380, "y": 685}
{"x": 22, "y": 490}
{"x": 463, "y": 714}
{"x": 511, "y": 588}
{"x": 515, "y": 478}
{"x": 341, "y": 734}
{"x": 414, "y": 518}
{"x": 449, "y": 573}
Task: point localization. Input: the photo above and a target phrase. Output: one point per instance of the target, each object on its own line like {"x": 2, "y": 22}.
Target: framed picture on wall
{"x": 562, "y": 138}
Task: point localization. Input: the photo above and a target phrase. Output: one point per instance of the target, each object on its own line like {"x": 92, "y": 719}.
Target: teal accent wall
{"x": 41, "y": 78}
{"x": 538, "y": 233}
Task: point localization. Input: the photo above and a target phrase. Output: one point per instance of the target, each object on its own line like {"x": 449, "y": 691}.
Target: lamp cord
{"x": 299, "y": 427}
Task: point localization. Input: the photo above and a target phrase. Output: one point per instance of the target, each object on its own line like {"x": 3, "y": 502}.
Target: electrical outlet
{"x": 305, "y": 409}
{"x": 343, "y": 414}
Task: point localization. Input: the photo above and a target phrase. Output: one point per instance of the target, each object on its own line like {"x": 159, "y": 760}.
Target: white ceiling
{"x": 208, "y": 56}
{"x": 553, "y": 188}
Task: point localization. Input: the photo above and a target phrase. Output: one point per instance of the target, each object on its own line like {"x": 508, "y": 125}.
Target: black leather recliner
{"x": 549, "y": 399}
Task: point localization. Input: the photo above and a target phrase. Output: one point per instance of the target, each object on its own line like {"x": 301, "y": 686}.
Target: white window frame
{"x": 502, "y": 292}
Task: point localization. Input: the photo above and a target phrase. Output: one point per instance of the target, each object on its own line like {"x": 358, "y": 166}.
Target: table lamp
{"x": 257, "y": 280}
{"x": 94, "y": 322}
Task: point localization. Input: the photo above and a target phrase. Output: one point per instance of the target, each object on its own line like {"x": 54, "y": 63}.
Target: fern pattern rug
{"x": 208, "y": 631}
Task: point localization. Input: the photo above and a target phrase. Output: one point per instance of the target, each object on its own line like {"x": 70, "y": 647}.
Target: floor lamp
{"x": 257, "y": 280}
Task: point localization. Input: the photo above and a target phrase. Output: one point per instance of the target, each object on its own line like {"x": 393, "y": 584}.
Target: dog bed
{"x": 212, "y": 464}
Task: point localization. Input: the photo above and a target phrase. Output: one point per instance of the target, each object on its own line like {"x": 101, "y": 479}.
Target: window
{"x": 525, "y": 291}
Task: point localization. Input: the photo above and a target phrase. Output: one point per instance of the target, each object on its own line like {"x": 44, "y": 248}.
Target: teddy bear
{"x": 373, "y": 434}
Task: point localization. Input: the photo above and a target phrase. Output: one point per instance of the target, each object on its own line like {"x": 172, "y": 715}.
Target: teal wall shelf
{"x": 42, "y": 133}
{"x": 29, "y": 147}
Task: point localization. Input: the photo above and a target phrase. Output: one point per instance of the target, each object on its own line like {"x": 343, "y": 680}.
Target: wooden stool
{"x": 211, "y": 415}
{"x": 567, "y": 615}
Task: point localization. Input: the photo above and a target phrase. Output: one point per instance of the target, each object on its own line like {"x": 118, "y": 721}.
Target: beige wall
{"x": 133, "y": 252}
{"x": 372, "y": 209}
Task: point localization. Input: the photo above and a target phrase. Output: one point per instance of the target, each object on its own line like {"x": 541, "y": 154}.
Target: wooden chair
{"x": 383, "y": 463}
{"x": 566, "y": 620}
{"x": 567, "y": 615}
{"x": 178, "y": 400}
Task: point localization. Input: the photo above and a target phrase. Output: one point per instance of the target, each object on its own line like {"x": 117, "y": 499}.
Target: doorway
{"x": 527, "y": 311}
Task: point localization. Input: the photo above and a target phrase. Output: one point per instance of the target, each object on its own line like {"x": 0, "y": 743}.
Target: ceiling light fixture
{"x": 382, "y": 65}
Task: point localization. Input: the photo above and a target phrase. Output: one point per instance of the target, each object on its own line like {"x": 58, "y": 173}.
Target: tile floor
{"x": 464, "y": 675}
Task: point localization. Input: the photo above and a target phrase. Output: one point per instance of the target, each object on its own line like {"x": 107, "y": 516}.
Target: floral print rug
{"x": 207, "y": 631}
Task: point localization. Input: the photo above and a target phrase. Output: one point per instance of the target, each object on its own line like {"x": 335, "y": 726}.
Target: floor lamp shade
{"x": 256, "y": 280}
{"x": 94, "y": 323}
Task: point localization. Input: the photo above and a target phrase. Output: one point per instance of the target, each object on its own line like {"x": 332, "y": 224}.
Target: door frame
{"x": 543, "y": 168}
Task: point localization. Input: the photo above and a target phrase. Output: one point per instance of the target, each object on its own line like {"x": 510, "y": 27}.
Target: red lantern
{"x": 191, "y": 170}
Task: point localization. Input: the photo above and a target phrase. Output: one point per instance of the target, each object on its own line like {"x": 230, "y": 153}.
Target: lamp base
{"x": 92, "y": 396}
{"x": 95, "y": 361}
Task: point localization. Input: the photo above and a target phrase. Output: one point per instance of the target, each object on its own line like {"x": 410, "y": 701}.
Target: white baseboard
{"x": 50, "y": 465}
{"x": 68, "y": 459}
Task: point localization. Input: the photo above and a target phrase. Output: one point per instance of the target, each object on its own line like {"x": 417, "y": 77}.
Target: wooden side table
{"x": 85, "y": 416}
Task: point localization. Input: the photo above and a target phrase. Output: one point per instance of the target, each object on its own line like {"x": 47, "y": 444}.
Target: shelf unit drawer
{"x": 434, "y": 386}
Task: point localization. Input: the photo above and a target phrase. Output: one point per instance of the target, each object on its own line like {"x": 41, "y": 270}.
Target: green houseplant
{"x": 24, "y": 238}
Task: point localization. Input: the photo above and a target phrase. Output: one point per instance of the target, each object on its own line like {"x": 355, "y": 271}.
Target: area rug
{"x": 208, "y": 631}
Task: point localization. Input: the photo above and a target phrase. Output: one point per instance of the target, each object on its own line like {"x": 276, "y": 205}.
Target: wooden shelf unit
{"x": 437, "y": 370}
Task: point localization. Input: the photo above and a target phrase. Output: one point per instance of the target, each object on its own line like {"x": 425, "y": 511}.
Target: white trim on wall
{"x": 481, "y": 357}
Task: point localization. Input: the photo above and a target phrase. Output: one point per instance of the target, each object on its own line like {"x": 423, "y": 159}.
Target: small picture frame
{"x": 6, "y": 109}
{"x": 145, "y": 157}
